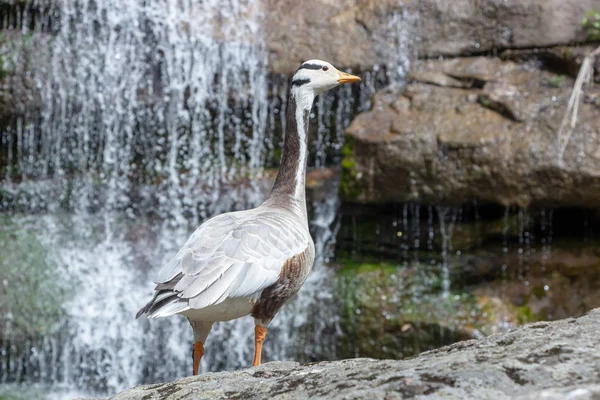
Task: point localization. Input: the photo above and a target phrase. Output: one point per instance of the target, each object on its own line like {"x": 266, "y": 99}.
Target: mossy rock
{"x": 14, "y": 392}
{"x": 31, "y": 295}
{"x": 349, "y": 188}
{"x": 390, "y": 311}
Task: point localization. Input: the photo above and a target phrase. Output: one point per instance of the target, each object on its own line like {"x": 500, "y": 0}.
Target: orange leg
{"x": 259, "y": 337}
{"x": 198, "y": 353}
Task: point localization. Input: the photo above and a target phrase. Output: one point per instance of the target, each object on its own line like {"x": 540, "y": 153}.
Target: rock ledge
{"x": 550, "y": 360}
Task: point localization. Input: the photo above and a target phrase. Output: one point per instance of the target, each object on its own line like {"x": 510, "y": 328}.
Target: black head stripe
{"x": 300, "y": 82}
{"x": 310, "y": 66}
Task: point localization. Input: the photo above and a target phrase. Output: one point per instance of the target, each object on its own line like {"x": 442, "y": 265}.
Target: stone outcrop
{"x": 558, "y": 359}
{"x": 18, "y": 91}
{"x": 362, "y": 33}
{"x": 475, "y": 128}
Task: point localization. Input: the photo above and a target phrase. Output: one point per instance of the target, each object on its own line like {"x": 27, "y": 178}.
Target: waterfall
{"x": 153, "y": 117}
{"x": 152, "y": 113}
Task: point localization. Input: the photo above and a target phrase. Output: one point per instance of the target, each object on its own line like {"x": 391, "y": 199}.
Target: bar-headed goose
{"x": 251, "y": 262}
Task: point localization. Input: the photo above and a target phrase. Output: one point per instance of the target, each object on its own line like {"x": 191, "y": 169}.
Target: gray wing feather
{"x": 232, "y": 255}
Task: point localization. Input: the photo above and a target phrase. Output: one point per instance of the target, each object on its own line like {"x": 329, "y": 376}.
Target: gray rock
{"x": 504, "y": 98}
{"x": 351, "y": 33}
{"x": 542, "y": 360}
{"x": 582, "y": 392}
{"x": 464, "y": 26}
{"x": 444, "y": 147}
{"x": 437, "y": 78}
{"x": 19, "y": 55}
{"x": 360, "y": 33}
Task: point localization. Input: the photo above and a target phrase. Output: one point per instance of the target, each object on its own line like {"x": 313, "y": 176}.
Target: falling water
{"x": 505, "y": 233}
{"x": 447, "y": 219}
{"x": 150, "y": 111}
{"x": 153, "y": 117}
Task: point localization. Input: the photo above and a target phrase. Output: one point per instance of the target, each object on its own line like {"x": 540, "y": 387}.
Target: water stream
{"x": 155, "y": 116}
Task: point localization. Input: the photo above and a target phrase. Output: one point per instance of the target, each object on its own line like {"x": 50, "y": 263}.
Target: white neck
{"x": 289, "y": 190}
{"x": 304, "y": 101}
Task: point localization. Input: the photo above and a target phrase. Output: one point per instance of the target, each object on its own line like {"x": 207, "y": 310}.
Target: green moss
{"x": 591, "y": 24}
{"x": 276, "y": 155}
{"x": 539, "y": 292}
{"x": 349, "y": 186}
{"x": 566, "y": 52}
{"x": 390, "y": 311}
{"x": 18, "y": 392}
{"x": 524, "y": 314}
{"x": 13, "y": 51}
{"x": 352, "y": 267}
{"x": 556, "y": 81}
{"x": 30, "y": 296}
{"x": 1, "y": 62}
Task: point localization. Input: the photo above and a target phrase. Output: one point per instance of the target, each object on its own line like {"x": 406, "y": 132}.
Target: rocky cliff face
{"x": 482, "y": 128}
{"x": 346, "y": 32}
{"x": 555, "y": 360}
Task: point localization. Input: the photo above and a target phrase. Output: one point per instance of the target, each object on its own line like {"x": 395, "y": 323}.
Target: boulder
{"x": 492, "y": 140}
{"x": 560, "y": 359}
{"x": 364, "y": 33}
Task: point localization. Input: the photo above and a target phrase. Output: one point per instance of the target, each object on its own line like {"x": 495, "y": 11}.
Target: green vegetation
{"x": 351, "y": 268}
{"x": 2, "y": 71}
{"x": 6, "y": 48}
{"x": 14, "y": 51}
{"x": 591, "y": 23}
{"x": 391, "y": 311}
{"x": 556, "y": 81}
{"x": 31, "y": 297}
{"x": 349, "y": 186}
{"x": 525, "y": 315}
{"x": 13, "y": 392}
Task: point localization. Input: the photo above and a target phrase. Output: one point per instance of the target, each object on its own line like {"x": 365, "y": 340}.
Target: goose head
{"x": 318, "y": 76}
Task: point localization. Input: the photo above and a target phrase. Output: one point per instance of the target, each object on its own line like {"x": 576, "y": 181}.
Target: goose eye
{"x": 325, "y": 68}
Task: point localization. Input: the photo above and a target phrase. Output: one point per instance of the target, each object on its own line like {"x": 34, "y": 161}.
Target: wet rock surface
{"x": 559, "y": 359}
{"x": 18, "y": 55}
{"x": 493, "y": 139}
{"x": 504, "y": 268}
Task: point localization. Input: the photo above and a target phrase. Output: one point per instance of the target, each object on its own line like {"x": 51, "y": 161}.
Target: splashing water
{"x": 155, "y": 116}
{"x": 150, "y": 111}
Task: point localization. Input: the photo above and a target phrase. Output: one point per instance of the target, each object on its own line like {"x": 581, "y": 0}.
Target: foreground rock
{"x": 475, "y": 128}
{"x": 559, "y": 359}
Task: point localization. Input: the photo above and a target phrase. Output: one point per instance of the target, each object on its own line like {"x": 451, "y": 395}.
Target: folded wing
{"x": 232, "y": 255}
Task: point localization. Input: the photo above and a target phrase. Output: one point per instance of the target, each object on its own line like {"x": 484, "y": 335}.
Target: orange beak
{"x": 347, "y": 78}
